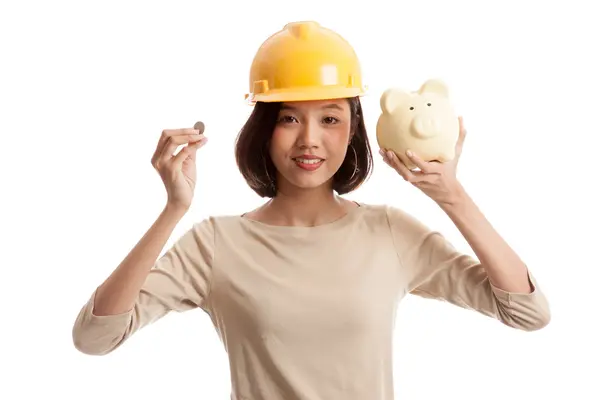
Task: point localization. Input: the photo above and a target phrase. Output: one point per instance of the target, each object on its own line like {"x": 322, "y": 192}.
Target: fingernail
{"x": 409, "y": 153}
{"x": 382, "y": 152}
{"x": 390, "y": 154}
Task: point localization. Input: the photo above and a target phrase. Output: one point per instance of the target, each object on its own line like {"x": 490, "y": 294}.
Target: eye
{"x": 412, "y": 108}
{"x": 429, "y": 104}
{"x": 330, "y": 120}
{"x": 286, "y": 119}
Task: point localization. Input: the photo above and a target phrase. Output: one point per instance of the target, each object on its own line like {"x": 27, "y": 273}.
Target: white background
{"x": 87, "y": 87}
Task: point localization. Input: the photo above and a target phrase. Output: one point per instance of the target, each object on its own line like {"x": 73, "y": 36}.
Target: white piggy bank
{"x": 423, "y": 121}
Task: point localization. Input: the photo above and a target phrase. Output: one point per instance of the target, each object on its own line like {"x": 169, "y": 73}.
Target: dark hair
{"x": 254, "y": 160}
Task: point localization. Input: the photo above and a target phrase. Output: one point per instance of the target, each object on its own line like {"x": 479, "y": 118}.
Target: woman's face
{"x": 310, "y": 142}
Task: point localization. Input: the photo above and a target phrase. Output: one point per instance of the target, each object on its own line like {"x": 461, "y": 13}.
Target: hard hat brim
{"x": 306, "y": 94}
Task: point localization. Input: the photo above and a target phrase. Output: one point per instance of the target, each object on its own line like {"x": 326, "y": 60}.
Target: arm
{"x": 499, "y": 286}
{"x": 435, "y": 269}
{"x": 143, "y": 289}
{"x": 503, "y": 266}
{"x": 119, "y": 292}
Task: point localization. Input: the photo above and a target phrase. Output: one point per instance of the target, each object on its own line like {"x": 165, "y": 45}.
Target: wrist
{"x": 461, "y": 209}
{"x": 457, "y": 198}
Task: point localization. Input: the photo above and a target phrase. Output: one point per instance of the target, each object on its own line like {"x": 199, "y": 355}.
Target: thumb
{"x": 193, "y": 147}
{"x": 180, "y": 157}
{"x": 188, "y": 151}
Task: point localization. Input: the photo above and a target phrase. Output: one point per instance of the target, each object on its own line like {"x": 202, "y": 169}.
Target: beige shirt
{"x": 308, "y": 312}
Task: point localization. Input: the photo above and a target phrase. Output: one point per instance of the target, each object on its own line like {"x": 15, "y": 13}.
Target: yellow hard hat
{"x": 304, "y": 61}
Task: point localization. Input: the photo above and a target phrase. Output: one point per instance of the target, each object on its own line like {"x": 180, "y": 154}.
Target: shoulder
{"x": 393, "y": 214}
{"x": 212, "y": 223}
{"x": 397, "y": 219}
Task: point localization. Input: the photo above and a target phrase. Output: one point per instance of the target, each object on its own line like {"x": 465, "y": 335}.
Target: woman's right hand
{"x": 178, "y": 172}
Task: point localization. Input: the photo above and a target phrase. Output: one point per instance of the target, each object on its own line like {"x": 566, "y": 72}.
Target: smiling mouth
{"x": 308, "y": 161}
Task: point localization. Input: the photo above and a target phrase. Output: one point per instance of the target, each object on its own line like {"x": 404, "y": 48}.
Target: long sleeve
{"x": 436, "y": 270}
{"x": 179, "y": 281}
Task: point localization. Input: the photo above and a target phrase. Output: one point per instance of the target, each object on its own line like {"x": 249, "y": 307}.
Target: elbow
{"x": 91, "y": 349}
{"x": 530, "y": 321}
{"x": 90, "y": 344}
{"x": 542, "y": 321}
{"x": 535, "y": 323}
{"x": 97, "y": 336}
{"x": 84, "y": 346}
{"x": 524, "y": 311}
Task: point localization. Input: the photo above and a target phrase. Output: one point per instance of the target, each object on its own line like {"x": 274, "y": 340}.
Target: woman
{"x": 303, "y": 290}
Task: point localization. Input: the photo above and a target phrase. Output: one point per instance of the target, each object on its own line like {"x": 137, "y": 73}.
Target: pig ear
{"x": 392, "y": 98}
{"x": 434, "y": 86}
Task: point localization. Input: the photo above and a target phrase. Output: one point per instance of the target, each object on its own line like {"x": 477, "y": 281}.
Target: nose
{"x": 308, "y": 137}
{"x": 424, "y": 127}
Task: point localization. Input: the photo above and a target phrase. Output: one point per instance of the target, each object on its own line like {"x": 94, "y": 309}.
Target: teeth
{"x": 305, "y": 161}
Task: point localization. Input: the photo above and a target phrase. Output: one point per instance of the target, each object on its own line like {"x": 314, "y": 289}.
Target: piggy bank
{"x": 423, "y": 121}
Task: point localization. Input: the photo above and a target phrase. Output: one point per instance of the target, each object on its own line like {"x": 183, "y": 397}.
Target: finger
{"x": 177, "y": 161}
{"x": 427, "y": 167}
{"x": 172, "y": 145}
{"x": 166, "y": 135}
{"x": 461, "y": 126}
{"x": 160, "y": 146}
{"x": 393, "y": 161}
{"x": 182, "y": 131}
{"x": 174, "y": 142}
{"x": 462, "y": 133}
{"x": 196, "y": 146}
{"x": 187, "y": 152}
{"x": 169, "y": 133}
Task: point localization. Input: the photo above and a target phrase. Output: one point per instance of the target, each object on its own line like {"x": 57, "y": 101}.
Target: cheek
{"x": 279, "y": 143}
{"x": 338, "y": 141}
{"x": 280, "y": 133}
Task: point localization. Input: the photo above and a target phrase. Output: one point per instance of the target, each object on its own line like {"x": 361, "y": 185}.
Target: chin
{"x": 307, "y": 180}
{"x": 308, "y": 184}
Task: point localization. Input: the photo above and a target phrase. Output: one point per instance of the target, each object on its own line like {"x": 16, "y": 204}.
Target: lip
{"x": 310, "y": 167}
{"x": 308, "y": 157}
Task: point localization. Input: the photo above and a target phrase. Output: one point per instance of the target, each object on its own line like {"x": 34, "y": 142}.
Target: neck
{"x": 306, "y": 207}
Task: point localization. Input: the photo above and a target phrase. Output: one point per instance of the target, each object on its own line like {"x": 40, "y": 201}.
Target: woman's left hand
{"x": 437, "y": 180}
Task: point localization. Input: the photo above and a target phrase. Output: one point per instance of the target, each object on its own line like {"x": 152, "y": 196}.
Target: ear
{"x": 392, "y": 98}
{"x": 435, "y": 86}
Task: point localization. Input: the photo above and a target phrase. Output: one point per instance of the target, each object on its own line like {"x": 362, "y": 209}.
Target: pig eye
{"x": 429, "y": 104}
{"x": 412, "y": 108}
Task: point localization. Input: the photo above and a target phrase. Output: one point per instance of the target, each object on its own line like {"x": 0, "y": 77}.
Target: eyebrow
{"x": 328, "y": 106}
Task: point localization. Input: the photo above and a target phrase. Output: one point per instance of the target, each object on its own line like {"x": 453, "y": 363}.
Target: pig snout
{"x": 425, "y": 127}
